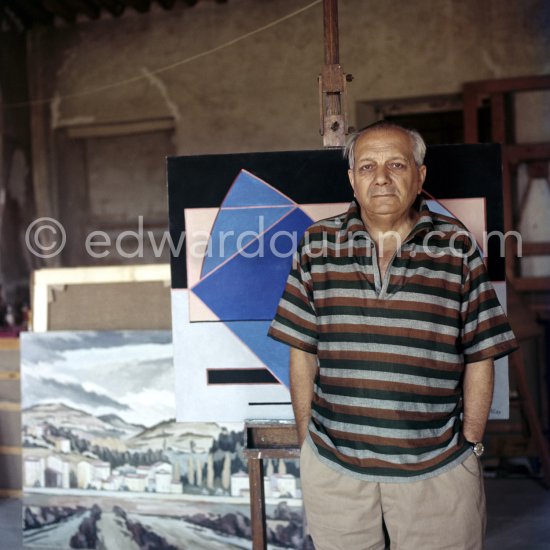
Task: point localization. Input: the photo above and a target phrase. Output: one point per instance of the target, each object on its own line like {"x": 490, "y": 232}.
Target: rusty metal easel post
{"x": 332, "y": 83}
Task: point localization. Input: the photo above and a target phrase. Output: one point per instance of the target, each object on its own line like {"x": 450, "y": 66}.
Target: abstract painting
{"x": 242, "y": 217}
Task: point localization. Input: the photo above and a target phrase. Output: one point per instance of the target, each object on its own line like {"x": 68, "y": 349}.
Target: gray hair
{"x": 418, "y": 144}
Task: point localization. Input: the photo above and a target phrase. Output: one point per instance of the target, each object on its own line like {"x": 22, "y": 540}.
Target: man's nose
{"x": 381, "y": 175}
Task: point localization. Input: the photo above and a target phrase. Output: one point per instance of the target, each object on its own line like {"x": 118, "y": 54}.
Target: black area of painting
{"x": 471, "y": 171}
{"x": 240, "y": 376}
{"x": 269, "y": 403}
{"x": 454, "y": 171}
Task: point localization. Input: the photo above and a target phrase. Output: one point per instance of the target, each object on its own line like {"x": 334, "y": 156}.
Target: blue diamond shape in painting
{"x": 243, "y": 280}
{"x": 249, "y": 190}
{"x": 235, "y": 228}
{"x": 248, "y": 287}
{"x": 272, "y": 353}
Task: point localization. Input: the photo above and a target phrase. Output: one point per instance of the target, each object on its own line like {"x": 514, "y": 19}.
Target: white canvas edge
{"x": 500, "y": 407}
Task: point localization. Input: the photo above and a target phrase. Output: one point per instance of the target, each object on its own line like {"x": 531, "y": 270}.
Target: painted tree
{"x": 226, "y": 471}
{"x": 282, "y": 467}
{"x": 210, "y": 472}
{"x": 198, "y": 471}
{"x": 176, "y": 471}
{"x": 191, "y": 470}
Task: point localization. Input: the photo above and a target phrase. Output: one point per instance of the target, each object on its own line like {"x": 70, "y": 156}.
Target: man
{"x": 394, "y": 327}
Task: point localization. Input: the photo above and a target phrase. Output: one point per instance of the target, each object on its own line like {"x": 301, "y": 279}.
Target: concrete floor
{"x": 518, "y": 516}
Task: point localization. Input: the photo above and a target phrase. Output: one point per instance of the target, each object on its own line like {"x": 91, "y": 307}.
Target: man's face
{"x": 385, "y": 178}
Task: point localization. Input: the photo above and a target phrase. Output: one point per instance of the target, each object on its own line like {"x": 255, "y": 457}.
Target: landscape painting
{"x": 106, "y": 465}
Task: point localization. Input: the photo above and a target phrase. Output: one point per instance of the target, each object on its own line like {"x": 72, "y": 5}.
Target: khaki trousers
{"x": 445, "y": 512}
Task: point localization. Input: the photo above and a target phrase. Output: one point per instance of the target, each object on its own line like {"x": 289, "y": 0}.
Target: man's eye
{"x": 397, "y": 165}
{"x": 366, "y": 167}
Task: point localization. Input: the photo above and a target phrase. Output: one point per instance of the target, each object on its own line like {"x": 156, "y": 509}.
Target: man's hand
{"x": 303, "y": 368}
{"x": 479, "y": 379}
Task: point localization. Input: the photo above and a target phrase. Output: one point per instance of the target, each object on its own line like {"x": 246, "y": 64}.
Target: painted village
{"x": 66, "y": 458}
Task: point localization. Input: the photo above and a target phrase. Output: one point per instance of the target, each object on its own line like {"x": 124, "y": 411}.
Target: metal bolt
{"x": 349, "y": 77}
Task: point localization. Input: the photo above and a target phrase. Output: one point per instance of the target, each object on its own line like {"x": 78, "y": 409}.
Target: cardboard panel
{"x": 101, "y": 298}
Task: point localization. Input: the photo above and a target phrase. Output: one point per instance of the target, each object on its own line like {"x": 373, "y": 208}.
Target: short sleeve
{"x": 295, "y": 321}
{"x": 486, "y": 333}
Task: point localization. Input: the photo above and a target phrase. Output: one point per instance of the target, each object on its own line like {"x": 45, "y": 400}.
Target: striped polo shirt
{"x": 387, "y": 402}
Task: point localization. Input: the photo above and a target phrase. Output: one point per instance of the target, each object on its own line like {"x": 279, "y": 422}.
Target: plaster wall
{"x": 256, "y": 94}
{"x": 261, "y": 93}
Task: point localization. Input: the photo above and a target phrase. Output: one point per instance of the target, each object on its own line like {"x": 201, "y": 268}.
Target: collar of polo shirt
{"x": 354, "y": 228}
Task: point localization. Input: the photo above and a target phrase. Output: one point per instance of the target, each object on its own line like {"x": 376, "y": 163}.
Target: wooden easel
{"x": 265, "y": 439}
{"x": 498, "y": 92}
{"x": 278, "y": 439}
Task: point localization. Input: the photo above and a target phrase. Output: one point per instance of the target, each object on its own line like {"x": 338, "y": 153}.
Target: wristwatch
{"x": 477, "y": 447}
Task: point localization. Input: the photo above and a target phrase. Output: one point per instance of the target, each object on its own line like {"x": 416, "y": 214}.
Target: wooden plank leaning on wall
{"x": 10, "y": 419}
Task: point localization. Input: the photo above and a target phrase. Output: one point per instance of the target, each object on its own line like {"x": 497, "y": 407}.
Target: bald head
{"x": 418, "y": 146}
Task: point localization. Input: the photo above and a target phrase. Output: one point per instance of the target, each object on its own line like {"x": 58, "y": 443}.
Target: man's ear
{"x": 351, "y": 180}
{"x": 421, "y": 177}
